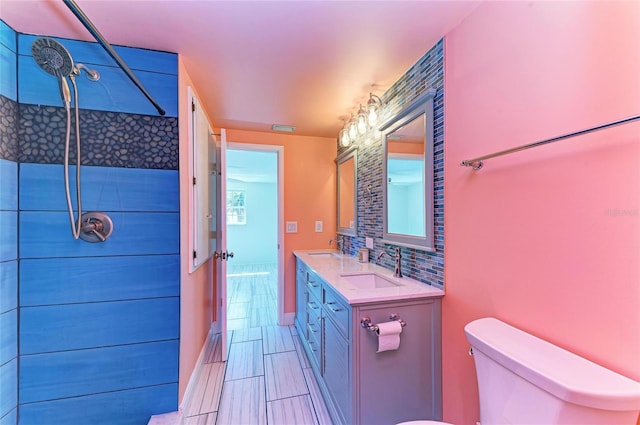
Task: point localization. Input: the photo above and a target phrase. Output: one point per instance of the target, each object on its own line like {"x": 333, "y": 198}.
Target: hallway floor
{"x": 267, "y": 378}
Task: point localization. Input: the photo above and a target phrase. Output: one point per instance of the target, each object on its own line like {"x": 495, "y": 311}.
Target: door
{"x": 245, "y": 171}
{"x": 221, "y": 255}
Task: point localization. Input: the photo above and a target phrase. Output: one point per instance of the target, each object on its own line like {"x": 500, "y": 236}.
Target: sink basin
{"x": 325, "y": 254}
{"x": 369, "y": 281}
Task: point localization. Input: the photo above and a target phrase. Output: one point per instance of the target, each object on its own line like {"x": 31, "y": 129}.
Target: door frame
{"x": 279, "y": 150}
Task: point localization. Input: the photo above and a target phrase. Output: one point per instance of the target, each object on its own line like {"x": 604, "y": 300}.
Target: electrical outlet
{"x": 318, "y": 226}
{"x": 292, "y": 227}
{"x": 368, "y": 242}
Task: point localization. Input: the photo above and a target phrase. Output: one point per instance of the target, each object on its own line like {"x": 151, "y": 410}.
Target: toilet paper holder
{"x": 365, "y": 322}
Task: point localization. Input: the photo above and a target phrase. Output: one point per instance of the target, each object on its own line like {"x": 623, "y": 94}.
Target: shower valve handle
{"x": 93, "y": 226}
{"x": 99, "y": 235}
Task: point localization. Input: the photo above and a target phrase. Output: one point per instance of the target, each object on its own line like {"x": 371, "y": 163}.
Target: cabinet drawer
{"x": 316, "y": 350}
{"x": 314, "y": 329}
{"x": 314, "y": 284}
{"x": 313, "y": 304}
{"x": 300, "y": 268}
{"x": 314, "y": 320}
{"x": 338, "y": 311}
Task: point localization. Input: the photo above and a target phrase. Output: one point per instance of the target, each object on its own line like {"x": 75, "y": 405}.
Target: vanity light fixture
{"x": 373, "y": 106}
{"x": 361, "y": 120}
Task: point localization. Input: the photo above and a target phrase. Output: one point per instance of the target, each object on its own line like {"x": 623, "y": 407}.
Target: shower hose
{"x": 76, "y": 225}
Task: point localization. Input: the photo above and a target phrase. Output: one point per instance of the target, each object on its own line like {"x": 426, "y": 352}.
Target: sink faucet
{"x": 339, "y": 241}
{"x": 398, "y": 257}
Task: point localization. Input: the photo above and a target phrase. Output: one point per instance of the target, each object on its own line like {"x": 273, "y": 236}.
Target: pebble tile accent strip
{"x": 8, "y": 129}
{"x": 108, "y": 139}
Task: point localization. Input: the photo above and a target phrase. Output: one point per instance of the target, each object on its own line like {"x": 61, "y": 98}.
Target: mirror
{"x": 347, "y": 179}
{"x": 408, "y": 176}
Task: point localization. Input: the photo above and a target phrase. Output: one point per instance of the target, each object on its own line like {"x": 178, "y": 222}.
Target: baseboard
{"x": 196, "y": 370}
{"x": 287, "y": 319}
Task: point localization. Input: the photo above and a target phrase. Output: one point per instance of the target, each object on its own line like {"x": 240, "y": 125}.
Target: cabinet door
{"x": 412, "y": 372}
{"x": 337, "y": 369}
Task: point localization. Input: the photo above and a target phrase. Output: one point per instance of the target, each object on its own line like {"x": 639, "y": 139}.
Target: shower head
{"x": 52, "y": 56}
{"x": 56, "y": 60}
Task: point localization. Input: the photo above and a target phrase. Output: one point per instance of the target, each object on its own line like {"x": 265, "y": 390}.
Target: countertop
{"x": 332, "y": 268}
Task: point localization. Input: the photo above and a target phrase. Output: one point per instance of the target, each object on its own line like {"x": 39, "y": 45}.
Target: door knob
{"x": 223, "y": 255}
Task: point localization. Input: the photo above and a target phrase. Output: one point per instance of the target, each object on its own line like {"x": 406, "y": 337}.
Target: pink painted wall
{"x": 547, "y": 239}
{"x": 309, "y": 194}
{"x": 196, "y": 298}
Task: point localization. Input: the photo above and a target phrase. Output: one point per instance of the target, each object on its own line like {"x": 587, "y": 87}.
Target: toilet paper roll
{"x": 389, "y": 336}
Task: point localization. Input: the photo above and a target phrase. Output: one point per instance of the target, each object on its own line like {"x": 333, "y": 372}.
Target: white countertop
{"x": 333, "y": 268}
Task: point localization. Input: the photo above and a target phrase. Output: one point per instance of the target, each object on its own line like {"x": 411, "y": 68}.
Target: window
{"x": 236, "y": 209}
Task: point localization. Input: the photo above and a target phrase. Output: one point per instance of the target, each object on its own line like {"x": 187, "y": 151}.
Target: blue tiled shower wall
{"x": 424, "y": 266}
{"x": 8, "y": 227}
{"x": 90, "y": 332}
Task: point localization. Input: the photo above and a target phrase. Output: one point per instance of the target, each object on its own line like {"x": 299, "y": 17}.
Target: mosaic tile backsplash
{"x": 424, "y": 266}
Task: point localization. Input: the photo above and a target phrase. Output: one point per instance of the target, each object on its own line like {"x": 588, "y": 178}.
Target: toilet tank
{"x": 523, "y": 379}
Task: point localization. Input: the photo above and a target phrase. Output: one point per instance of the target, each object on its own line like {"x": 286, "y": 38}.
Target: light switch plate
{"x": 292, "y": 227}
{"x": 368, "y": 242}
{"x": 318, "y": 226}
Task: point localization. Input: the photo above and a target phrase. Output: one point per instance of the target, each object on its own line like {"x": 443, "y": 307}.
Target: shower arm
{"x": 71, "y": 4}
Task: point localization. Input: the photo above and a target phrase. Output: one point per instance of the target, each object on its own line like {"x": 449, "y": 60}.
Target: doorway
{"x": 255, "y": 284}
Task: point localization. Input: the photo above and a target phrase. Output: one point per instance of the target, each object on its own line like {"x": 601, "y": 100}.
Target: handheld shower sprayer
{"x": 55, "y": 59}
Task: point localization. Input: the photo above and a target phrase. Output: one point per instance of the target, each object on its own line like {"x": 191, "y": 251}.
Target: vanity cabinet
{"x": 359, "y": 385}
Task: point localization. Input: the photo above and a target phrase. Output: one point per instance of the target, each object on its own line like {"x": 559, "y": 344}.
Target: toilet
{"x": 523, "y": 379}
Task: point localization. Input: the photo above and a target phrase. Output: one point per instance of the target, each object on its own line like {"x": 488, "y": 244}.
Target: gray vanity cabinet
{"x": 360, "y": 385}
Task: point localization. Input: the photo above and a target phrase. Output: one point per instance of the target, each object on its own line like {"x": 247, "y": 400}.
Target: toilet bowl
{"x": 424, "y": 423}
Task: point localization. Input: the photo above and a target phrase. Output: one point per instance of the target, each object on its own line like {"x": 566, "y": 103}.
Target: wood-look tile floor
{"x": 266, "y": 378}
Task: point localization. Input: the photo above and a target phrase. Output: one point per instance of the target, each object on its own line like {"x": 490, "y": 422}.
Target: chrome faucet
{"x": 339, "y": 241}
{"x": 398, "y": 257}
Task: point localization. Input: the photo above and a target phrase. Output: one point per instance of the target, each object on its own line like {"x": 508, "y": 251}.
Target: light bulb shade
{"x": 372, "y": 109}
{"x": 344, "y": 138}
{"x": 372, "y": 116}
{"x": 353, "y": 130}
{"x": 361, "y": 121}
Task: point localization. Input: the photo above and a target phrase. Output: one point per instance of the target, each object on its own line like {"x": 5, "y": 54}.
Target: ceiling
{"x": 258, "y": 63}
